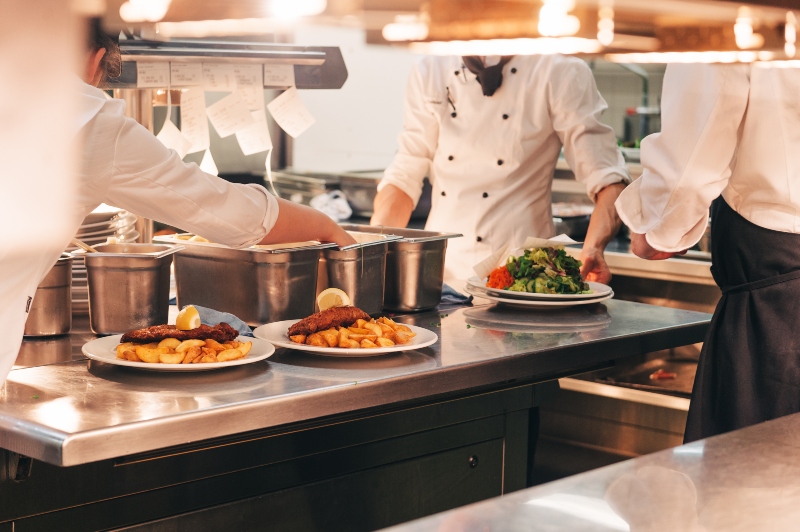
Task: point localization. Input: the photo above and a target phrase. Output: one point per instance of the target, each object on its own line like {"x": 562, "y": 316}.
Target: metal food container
{"x": 260, "y": 284}
{"x": 414, "y": 267}
{"x": 358, "y": 269}
{"x": 128, "y": 286}
{"x": 51, "y": 310}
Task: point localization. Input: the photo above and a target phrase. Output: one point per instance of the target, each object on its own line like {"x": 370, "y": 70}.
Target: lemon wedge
{"x": 332, "y": 297}
{"x": 187, "y": 319}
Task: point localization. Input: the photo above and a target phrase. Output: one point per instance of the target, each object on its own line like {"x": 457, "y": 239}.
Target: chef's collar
{"x": 490, "y": 76}
{"x": 90, "y": 102}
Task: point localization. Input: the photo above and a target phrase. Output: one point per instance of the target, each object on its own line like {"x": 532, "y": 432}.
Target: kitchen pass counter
{"x": 298, "y": 441}
{"x": 60, "y": 408}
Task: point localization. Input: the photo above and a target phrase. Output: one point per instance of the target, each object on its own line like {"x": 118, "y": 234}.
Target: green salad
{"x": 546, "y": 271}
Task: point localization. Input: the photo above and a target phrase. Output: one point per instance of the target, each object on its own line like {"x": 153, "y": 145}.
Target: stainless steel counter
{"x": 745, "y": 480}
{"x": 60, "y": 408}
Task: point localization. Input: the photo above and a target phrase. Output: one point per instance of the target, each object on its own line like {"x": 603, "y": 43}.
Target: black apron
{"x": 749, "y": 369}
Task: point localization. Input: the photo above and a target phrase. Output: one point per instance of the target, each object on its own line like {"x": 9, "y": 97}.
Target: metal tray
{"x": 414, "y": 267}
{"x": 257, "y": 284}
{"x": 358, "y": 269}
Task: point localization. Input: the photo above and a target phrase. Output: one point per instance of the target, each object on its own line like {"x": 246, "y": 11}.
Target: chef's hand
{"x": 298, "y": 223}
{"x": 340, "y": 236}
{"x": 603, "y": 225}
{"x": 641, "y": 248}
{"x": 594, "y": 266}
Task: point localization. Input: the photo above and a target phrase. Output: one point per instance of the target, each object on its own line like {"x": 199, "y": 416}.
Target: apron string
{"x": 769, "y": 281}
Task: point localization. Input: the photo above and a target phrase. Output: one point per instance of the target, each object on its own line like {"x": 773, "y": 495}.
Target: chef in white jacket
{"x": 488, "y": 133}
{"x": 121, "y": 163}
{"x": 731, "y": 135}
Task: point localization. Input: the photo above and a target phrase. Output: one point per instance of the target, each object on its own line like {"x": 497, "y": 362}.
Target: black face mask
{"x": 491, "y": 77}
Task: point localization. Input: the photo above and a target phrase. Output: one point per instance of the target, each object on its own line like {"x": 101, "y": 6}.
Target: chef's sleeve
{"x": 416, "y": 142}
{"x": 152, "y": 181}
{"x": 590, "y": 147}
{"x": 688, "y": 164}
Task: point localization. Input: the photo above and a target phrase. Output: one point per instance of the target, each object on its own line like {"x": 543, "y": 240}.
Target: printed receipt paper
{"x": 229, "y": 115}
{"x": 290, "y": 113}
{"x": 193, "y": 119}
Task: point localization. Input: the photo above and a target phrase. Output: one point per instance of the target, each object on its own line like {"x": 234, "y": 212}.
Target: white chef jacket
{"x": 123, "y": 164}
{"x": 491, "y": 159}
{"x": 729, "y": 129}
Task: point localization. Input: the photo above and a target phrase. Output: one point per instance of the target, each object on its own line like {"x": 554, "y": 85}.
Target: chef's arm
{"x": 401, "y": 186}
{"x": 152, "y": 181}
{"x": 688, "y": 164}
{"x": 297, "y": 223}
{"x": 392, "y": 207}
{"x": 603, "y": 225}
{"x": 590, "y": 149}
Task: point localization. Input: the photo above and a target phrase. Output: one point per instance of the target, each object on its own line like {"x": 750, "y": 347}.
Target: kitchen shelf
{"x": 315, "y": 67}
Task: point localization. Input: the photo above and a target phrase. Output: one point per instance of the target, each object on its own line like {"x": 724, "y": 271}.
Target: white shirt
{"x": 726, "y": 129}
{"x": 123, "y": 164}
{"x": 491, "y": 165}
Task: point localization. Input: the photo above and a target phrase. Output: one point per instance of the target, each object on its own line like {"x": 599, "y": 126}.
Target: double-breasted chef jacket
{"x": 491, "y": 159}
{"x": 123, "y": 164}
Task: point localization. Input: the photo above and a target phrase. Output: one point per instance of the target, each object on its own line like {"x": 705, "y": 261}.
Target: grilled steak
{"x": 332, "y": 317}
{"x": 221, "y": 332}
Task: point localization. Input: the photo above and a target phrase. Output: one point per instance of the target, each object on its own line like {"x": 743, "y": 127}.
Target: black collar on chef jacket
{"x": 491, "y": 77}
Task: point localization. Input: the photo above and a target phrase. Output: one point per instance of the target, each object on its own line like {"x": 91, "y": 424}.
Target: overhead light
{"x": 540, "y": 46}
{"x": 143, "y": 10}
{"x": 746, "y": 39}
{"x": 707, "y": 30}
{"x": 555, "y": 19}
{"x": 790, "y": 35}
{"x": 693, "y": 57}
{"x": 405, "y": 28}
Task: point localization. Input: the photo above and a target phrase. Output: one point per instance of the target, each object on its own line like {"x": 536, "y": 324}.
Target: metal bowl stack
{"x": 103, "y": 223}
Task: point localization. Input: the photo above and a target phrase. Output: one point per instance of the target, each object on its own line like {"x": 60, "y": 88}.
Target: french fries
{"x": 362, "y": 334}
{"x": 173, "y": 351}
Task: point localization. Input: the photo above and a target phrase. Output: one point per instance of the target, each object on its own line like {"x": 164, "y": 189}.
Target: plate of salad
{"x": 540, "y": 274}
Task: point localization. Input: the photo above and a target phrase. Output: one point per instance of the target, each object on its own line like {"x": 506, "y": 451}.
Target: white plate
{"x": 598, "y": 290}
{"x": 536, "y": 303}
{"x": 105, "y": 350}
{"x": 275, "y": 333}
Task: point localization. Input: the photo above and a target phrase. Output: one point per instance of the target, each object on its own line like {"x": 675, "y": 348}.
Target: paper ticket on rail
{"x": 499, "y": 257}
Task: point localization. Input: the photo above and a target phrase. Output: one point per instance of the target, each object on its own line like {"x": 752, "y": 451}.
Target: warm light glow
{"x": 743, "y": 30}
{"x": 220, "y": 28}
{"x": 790, "y": 33}
{"x": 143, "y": 10}
{"x": 543, "y": 46}
{"x": 691, "y": 57}
{"x": 405, "y": 28}
{"x": 288, "y": 9}
{"x": 778, "y": 64}
{"x": 605, "y": 24}
{"x": 89, "y": 8}
{"x": 555, "y": 20}
{"x": 594, "y": 510}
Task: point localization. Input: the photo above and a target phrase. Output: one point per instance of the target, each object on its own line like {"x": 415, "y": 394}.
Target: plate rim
{"x": 340, "y": 352}
{"x": 527, "y": 296}
{"x": 532, "y": 303}
{"x": 175, "y": 367}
